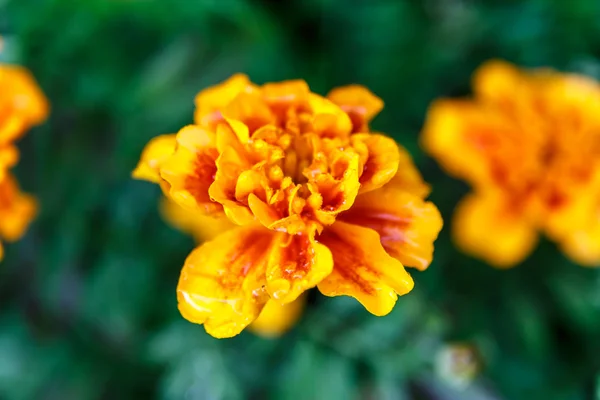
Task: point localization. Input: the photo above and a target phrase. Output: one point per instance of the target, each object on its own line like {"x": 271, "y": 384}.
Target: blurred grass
{"x": 88, "y": 305}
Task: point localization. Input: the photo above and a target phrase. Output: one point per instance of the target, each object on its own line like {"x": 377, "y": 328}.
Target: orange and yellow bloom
{"x": 22, "y": 105}
{"x": 310, "y": 196}
{"x": 529, "y": 145}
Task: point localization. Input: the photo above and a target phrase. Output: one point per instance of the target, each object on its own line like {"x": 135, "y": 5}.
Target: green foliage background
{"x": 88, "y": 308}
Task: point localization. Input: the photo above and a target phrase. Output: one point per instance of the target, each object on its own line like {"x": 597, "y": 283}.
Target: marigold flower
{"x": 316, "y": 199}
{"x": 529, "y": 144}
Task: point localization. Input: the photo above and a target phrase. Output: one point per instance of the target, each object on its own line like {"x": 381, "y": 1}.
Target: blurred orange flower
{"x": 529, "y": 145}
{"x": 314, "y": 199}
{"x": 22, "y": 105}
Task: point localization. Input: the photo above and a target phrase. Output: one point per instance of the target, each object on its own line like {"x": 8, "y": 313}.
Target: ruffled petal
{"x": 201, "y": 226}
{"x": 230, "y": 165}
{"x": 297, "y": 264}
{"x": 286, "y": 95}
{"x": 249, "y": 109}
{"x": 191, "y": 170}
{"x": 359, "y": 103}
{"x": 210, "y": 102}
{"x": 222, "y": 284}
{"x": 407, "y": 225}
{"x": 276, "y": 319}
{"x": 484, "y": 225}
{"x": 235, "y": 178}
{"x": 362, "y": 269}
{"x": 265, "y": 214}
{"x": 382, "y": 161}
{"x": 17, "y": 209}
{"x": 337, "y": 188}
{"x": 329, "y": 120}
{"x": 156, "y": 152}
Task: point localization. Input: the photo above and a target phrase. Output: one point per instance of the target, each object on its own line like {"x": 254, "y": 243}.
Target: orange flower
{"x": 22, "y": 104}
{"x": 529, "y": 144}
{"x": 16, "y": 210}
{"x": 315, "y": 199}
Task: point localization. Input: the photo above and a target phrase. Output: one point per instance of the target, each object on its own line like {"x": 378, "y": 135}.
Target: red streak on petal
{"x": 348, "y": 262}
{"x": 204, "y": 175}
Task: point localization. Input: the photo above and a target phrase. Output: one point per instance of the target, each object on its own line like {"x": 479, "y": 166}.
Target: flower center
{"x": 306, "y": 175}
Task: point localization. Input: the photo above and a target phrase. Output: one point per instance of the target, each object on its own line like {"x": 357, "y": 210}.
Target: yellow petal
{"x": 191, "y": 169}
{"x": 276, "y": 319}
{"x": 406, "y": 224}
{"x": 296, "y": 264}
{"x": 282, "y": 95}
{"x": 329, "y": 119}
{"x": 265, "y": 214}
{"x": 362, "y": 269}
{"x": 240, "y": 129}
{"x": 156, "y": 152}
{"x": 231, "y": 137}
{"x": 382, "y": 162}
{"x": 486, "y": 227}
{"x": 249, "y": 109}
{"x": 211, "y": 101}
{"x": 339, "y": 187}
{"x": 230, "y": 165}
{"x": 251, "y": 182}
{"x": 222, "y": 284}
{"x": 359, "y": 103}
{"x": 201, "y": 226}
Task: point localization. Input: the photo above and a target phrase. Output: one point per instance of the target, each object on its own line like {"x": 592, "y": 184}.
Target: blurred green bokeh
{"x": 88, "y": 307}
